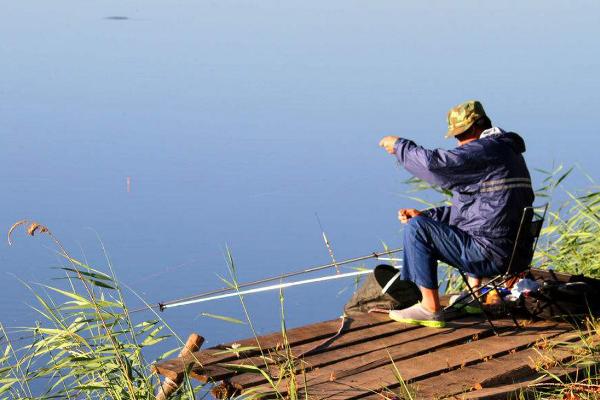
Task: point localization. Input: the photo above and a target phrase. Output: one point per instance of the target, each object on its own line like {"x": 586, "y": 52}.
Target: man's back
{"x": 490, "y": 183}
{"x": 491, "y": 208}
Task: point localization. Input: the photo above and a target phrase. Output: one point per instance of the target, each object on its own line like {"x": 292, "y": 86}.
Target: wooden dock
{"x": 376, "y": 358}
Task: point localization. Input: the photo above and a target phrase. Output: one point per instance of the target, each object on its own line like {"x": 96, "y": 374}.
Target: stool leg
{"x": 487, "y": 316}
{"x": 505, "y": 305}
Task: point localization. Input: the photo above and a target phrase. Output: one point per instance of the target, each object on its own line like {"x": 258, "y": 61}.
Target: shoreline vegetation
{"x": 86, "y": 345}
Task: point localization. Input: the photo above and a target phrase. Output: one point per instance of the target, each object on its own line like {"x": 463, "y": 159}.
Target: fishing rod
{"x": 267, "y": 288}
{"x": 166, "y": 304}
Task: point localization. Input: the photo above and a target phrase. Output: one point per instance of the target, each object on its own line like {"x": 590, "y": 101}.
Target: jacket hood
{"x": 511, "y": 139}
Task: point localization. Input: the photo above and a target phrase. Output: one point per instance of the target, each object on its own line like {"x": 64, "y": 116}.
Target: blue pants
{"x": 426, "y": 241}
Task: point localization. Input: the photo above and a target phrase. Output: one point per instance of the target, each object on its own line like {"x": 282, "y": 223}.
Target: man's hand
{"x": 388, "y": 143}
{"x": 404, "y": 214}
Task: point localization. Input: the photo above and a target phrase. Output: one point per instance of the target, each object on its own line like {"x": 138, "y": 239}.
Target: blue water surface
{"x": 237, "y": 121}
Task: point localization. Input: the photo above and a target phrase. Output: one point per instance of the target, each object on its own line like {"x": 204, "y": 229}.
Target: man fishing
{"x": 491, "y": 185}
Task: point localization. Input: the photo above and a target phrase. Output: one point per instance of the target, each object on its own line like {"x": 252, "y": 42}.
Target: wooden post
{"x": 169, "y": 385}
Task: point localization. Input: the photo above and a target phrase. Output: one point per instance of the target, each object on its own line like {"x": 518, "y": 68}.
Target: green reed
{"x": 85, "y": 344}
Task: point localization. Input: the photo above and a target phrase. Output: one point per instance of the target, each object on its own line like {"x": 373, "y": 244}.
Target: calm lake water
{"x": 238, "y": 121}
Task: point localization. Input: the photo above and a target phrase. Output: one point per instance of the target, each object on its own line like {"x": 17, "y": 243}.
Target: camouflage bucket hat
{"x": 461, "y": 117}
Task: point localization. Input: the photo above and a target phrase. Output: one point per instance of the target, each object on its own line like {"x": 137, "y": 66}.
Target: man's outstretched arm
{"x": 444, "y": 168}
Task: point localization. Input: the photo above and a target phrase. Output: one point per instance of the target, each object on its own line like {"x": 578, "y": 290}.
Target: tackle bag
{"x": 399, "y": 294}
{"x": 562, "y": 297}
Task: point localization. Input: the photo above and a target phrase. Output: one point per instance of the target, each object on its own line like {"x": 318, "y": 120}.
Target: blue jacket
{"x": 490, "y": 183}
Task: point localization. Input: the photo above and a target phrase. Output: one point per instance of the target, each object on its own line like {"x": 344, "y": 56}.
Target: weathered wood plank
{"x": 503, "y": 370}
{"x": 358, "y": 353}
{"x": 521, "y": 389}
{"x": 361, "y": 383}
{"x": 535, "y": 383}
{"x": 307, "y": 351}
{"x": 418, "y": 343}
{"x": 296, "y": 336}
{"x": 313, "y": 332}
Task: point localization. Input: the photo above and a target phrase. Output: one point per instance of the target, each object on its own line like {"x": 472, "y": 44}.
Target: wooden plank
{"x": 296, "y": 336}
{"x": 522, "y": 389}
{"x": 362, "y": 383}
{"x": 417, "y": 343}
{"x": 498, "y": 371}
{"x": 495, "y": 389}
{"x": 357, "y": 353}
{"x": 314, "y": 332}
{"x": 217, "y": 372}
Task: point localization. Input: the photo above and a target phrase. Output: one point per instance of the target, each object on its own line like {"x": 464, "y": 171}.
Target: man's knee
{"x": 419, "y": 222}
{"x": 416, "y": 226}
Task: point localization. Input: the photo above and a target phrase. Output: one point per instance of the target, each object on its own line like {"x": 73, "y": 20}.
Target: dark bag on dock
{"x": 565, "y": 301}
{"x": 369, "y": 296}
{"x": 563, "y": 296}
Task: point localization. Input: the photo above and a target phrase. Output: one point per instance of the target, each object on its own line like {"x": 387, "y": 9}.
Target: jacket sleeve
{"x": 444, "y": 168}
{"x": 440, "y": 214}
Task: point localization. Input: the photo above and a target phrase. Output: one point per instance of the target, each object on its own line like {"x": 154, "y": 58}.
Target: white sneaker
{"x": 418, "y": 315}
